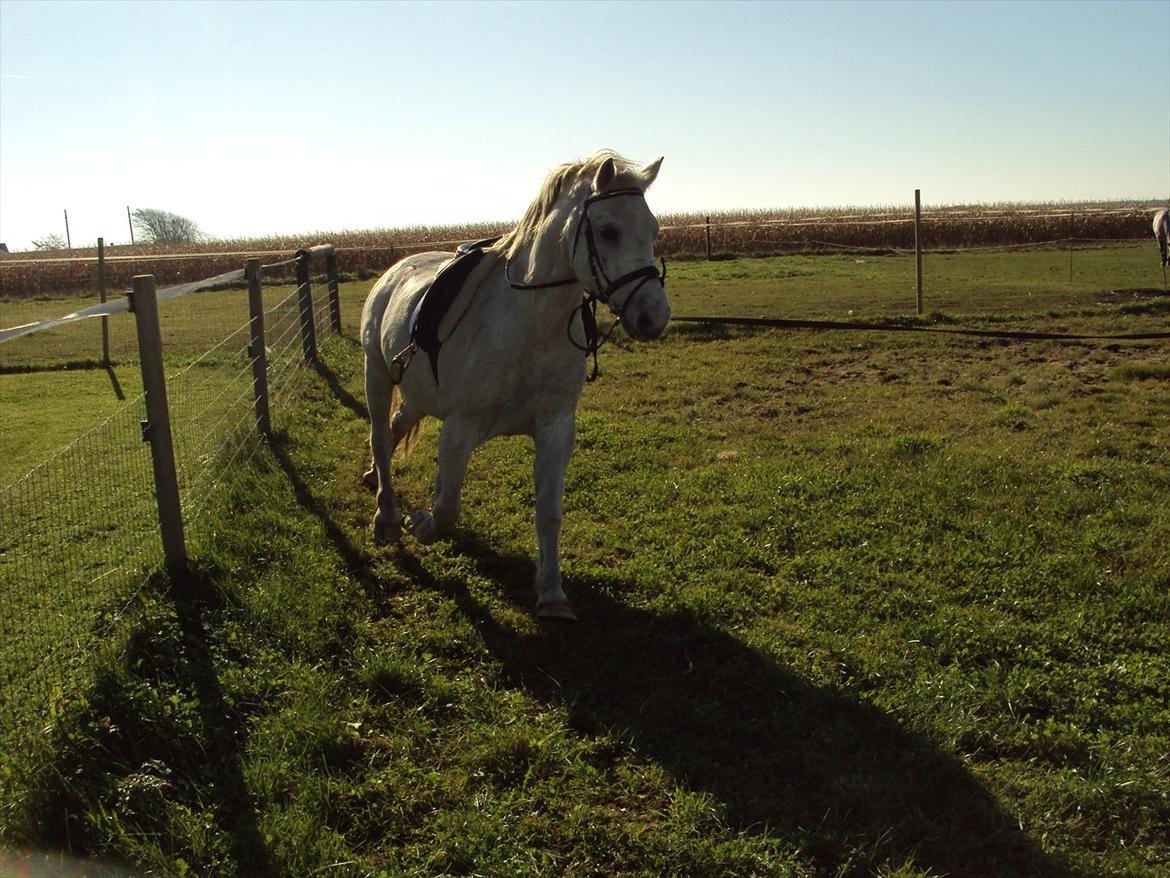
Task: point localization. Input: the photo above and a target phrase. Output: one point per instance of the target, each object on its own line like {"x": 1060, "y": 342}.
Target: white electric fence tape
{"x": 122, "y": 304}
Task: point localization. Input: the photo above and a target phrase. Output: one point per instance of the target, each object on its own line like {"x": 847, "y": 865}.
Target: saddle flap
{"x": 434, "y": 317}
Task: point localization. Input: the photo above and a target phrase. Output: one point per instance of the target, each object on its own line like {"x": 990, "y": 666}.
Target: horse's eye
{"x": 609, "y": 234}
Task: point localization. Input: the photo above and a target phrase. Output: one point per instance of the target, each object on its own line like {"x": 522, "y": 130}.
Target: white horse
{"x": 1162, "y": 233}
{"x": 513, "y": 362}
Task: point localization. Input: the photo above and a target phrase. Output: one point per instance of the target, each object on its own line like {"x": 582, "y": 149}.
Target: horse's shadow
{"x": 827, "y": 772}
{"x": 834, "y": 776}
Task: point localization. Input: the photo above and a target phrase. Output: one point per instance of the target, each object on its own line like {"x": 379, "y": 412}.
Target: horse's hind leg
{"x": 456, "y": 442}
{"x": 404, "y": 421}
{"x": 384, "y": 437}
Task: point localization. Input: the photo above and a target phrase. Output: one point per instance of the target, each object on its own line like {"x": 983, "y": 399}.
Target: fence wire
{"x": 79, "y": 532}
{"x": 77, "y": 535}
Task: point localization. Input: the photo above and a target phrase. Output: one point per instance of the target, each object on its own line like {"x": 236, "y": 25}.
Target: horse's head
{"x": 613, "y": 248}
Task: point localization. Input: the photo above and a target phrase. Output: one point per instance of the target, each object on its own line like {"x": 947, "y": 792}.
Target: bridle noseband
{"x": 603, "y": 288}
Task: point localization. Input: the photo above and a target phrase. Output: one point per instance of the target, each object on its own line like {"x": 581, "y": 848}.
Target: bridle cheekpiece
{"x": 603, "y": 288}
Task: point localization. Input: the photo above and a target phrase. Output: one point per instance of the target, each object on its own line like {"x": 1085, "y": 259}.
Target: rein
{"x": 603, "y": 288}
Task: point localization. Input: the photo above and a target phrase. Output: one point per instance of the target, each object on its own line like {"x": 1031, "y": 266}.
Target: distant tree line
{"x": 49, "y": 242}
{"x": 163, "y": 227}
{"x": 151, "y": 225}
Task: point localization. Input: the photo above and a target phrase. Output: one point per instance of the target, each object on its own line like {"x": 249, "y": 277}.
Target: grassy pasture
{"x": 980, "y": 283}
{"x": 852, "y": 603}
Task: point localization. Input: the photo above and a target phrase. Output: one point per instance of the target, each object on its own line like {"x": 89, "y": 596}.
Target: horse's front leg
{"x": 457, "y": 440}
{"x": 554, "y": 447}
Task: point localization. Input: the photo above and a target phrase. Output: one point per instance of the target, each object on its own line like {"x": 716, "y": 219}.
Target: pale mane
{"x": 564, "y": 179}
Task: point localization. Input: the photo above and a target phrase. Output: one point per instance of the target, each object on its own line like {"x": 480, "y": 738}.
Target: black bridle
{"x": 603, "y": 287}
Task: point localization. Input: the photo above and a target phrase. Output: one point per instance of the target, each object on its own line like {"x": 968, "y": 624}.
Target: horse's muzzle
{"x": 649, "y": 321}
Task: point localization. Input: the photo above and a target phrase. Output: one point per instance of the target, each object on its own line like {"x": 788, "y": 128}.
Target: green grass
{"x": 851, "y": 604}
{"x": 60, "y": 369}
{"x": 55, "y": 407}
{"x": 962, "y": 283}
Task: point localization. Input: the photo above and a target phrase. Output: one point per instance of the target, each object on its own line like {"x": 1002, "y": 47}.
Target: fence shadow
{"x": 224, "y": 730}
{"x": 115, "y": 383}
{"x": 58, "y": 366}
{"x": 339, "y": 390}
{"x": 142, "y": 752}
{"x": 69, "y": 366}
{"x": 356, "y": 562}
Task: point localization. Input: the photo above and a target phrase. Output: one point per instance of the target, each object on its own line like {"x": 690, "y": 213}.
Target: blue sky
{"x": 285, "y": 118}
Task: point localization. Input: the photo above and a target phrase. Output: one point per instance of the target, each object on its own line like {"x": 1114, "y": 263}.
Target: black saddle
{"x": 436, "y": 301}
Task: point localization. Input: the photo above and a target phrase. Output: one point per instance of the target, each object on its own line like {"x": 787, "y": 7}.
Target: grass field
{"x": 960, "y": 282}
{"x": 53, "y": 378}
{"x": 852, "y": 604}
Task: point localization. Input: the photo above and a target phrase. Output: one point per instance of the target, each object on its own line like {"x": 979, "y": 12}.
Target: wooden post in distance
{"x": 256, "y": 350}
{"x": 334, "y": 294}
{"x": 918, "y": 245}
{"x": 102, "y": 294}
{"x": 305, "y": 300}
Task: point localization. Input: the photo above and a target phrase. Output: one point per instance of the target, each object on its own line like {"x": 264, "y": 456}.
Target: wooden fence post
{"x": 708, "y": 239}
{"x": 102, "y": 294}
{"x": 918, "y": 245}
{"x": 157, "y": 427}
{"x": 305, "y": 298}
{"x": 256, "y": 348}
{"x": 334, "y": 295}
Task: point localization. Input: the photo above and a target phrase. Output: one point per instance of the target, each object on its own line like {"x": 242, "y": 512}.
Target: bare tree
{"x": 163, "y": 227}
{"x": 49, "y": 242}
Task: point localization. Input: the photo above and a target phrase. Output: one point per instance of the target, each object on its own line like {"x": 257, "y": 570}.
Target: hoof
{"x": 370, "y": 479}
{"x": 387, "y": 531}
{"x": 557, "y": 609}
{"x": 421, "y": 526}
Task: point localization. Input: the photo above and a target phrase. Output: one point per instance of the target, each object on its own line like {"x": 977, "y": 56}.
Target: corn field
{"x": 751, "y": 232}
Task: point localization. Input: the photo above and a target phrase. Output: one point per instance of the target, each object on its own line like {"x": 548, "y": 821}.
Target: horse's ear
{"x": 605, "y": 176}
{"x": 650, "y": 172}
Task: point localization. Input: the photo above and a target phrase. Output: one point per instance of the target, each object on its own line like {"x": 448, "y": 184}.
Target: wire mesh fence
{"x": 79, "y": 531}
{"x": 76, "y": 533}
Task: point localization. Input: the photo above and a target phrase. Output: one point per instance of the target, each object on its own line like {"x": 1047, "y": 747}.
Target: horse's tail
{"x": 410, "y": 438}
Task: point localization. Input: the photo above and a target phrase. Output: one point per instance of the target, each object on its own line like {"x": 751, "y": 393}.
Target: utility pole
{"x": 130, "y": 223}
{"x": 68, "y": 243}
